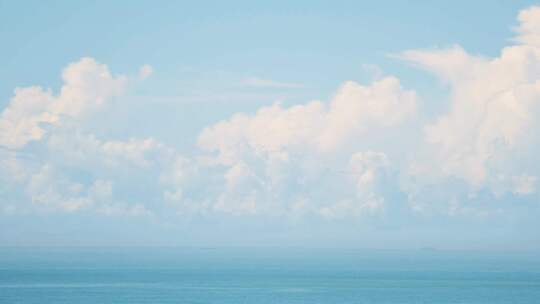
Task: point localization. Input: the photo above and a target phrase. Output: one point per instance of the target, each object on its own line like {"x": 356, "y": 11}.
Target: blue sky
{"x": 389, "y": 125}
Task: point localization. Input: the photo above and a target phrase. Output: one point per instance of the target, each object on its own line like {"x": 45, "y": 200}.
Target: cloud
{"x": 87, "y": 86}
{"x": 529, "y": 26}
{"x": 160, "y": 169}
{"x": 488, "y": 140}
{"x": 81, "y": 172}
{"x": 524, "y": 184}
{"x": 367, "y": 169}
{"x": 51, "y": 189}
{"x": 145, "y": 71}
{"x": 366, "y": 152}
{"x": 491, "y": 128}
{"x": 268, "y": 154}
{"x": 79, "y": 148}
{"x": 22, "y": 120}
{"x": 48, "y": 188}
{"x": 354, "y": 110}
{"x": 67, "y": 169}
{"x": 272, "y": 84}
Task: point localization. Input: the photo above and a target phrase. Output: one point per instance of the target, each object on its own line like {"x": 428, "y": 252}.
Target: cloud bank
{"x": 364, "y": 153}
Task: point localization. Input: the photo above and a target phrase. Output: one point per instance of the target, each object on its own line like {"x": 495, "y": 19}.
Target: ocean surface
{"x": 265, "y": 275}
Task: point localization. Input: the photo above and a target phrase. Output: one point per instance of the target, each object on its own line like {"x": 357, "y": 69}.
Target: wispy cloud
{"x": 268, "y": 83}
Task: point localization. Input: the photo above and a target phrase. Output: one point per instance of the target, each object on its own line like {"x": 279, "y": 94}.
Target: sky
{"x": 389, "y": 125}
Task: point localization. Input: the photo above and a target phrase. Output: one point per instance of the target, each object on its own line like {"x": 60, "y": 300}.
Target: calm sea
{"x": 265, "y": 275}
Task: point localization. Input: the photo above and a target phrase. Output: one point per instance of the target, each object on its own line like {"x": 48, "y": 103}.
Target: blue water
{"x": 263, "y": 275}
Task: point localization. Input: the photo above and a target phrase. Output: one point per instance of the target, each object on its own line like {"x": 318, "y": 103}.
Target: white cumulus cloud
{"x": 277, "y": 149}
{"x": 87, "y": 85}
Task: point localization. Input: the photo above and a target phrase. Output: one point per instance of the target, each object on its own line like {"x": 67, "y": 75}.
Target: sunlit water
{"x": 206, "y": 275}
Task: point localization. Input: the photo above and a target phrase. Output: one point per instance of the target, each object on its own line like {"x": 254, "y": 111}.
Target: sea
{"x": 266, "y": 275}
